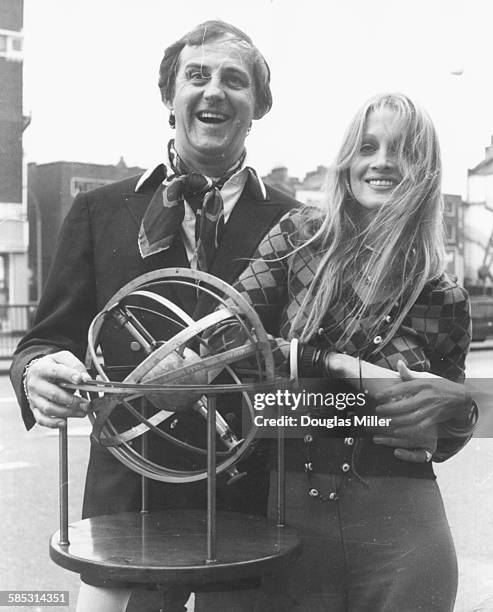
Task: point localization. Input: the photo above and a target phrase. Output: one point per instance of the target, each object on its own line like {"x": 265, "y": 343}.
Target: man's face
{"x": 214, "y": 103}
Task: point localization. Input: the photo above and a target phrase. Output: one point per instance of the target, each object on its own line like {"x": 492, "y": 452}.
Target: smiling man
{"x": 214, "y": 103}
{"x": 203, "y": 206}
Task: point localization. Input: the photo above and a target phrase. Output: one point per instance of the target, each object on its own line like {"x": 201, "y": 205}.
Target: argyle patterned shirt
{"x": 435, "y": 335}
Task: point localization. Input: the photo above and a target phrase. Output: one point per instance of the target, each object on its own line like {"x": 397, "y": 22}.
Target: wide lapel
{"x": 174, "y": 257}
{"x": 249, "y": 222}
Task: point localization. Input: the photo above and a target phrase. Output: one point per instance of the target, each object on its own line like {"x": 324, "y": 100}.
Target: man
{"x": 215, "y": 83}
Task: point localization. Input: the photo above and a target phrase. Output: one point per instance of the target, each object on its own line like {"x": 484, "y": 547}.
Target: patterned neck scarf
{"x": 166, "y": 211}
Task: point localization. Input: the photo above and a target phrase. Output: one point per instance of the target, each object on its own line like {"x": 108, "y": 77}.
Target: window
{"x": 11, "y": 45}
{"x": 451, "y": 261}
{"x": 17, "y": 44}
{"x": 449, "y": 207}
{"x": 4, "y": 278}
{"x": 450, "y": 231}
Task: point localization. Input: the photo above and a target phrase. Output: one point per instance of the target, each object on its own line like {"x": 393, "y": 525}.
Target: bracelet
{"x": 313, "y": 362}
{"x": 293, "y": 360}
{"x": 325, "y": 359}
{"x": 25, "y": 373}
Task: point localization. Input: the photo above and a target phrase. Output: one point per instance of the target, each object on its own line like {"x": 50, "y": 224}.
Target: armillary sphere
{"x": 170, "y": 399}
{"x": 154, "y": 368}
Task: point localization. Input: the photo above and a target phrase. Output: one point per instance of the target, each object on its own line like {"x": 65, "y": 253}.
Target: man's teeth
{"x": 381, "y": 183}
{"x": 209, "y": 116}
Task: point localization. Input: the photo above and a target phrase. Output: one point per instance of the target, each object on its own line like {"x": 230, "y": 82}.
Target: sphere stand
{"x": 164, "y": 548}
{"x": 184, "y": 546}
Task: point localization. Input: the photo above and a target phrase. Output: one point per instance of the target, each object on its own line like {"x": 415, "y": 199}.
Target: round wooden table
{"x": 170, "y": 547}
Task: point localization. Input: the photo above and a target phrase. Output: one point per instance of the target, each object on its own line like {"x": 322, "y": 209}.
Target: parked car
{"x": 482, "y": 317}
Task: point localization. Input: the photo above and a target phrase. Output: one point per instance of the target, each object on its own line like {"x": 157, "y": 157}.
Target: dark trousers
{"x": 383, "y": 545}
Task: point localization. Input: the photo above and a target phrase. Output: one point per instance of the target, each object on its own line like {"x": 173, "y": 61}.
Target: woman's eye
{"x": 367, "y": 148}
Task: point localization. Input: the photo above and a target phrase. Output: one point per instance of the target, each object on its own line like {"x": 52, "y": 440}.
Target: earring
{"x": 172, "y": 120}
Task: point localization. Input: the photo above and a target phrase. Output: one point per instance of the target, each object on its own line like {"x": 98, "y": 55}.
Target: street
{"x": 29, "y": 502}
{"x": 466, "y": 482}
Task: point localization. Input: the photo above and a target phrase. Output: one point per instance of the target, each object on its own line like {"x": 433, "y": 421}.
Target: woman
{"x": 362, "y": 287}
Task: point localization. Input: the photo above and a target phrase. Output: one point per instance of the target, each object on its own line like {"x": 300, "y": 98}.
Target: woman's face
{"x": 374, "y": 172}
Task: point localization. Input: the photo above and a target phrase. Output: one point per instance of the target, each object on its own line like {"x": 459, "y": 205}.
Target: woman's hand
{"x": 49, "y": 402}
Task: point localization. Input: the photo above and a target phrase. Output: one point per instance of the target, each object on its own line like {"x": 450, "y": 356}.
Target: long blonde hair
{"x": 401, "y": 248}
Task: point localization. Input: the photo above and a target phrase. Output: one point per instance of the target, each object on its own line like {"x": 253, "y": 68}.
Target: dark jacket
{"x": 97, "y": 254}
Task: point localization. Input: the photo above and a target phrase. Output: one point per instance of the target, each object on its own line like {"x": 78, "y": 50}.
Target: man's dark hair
{"x": 204, "y": 33}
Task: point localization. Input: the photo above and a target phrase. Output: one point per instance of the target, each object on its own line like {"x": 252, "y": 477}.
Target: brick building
{"x": 52, "y": 188}
{"x": 13, "y": 220}
{"x": 453, "y": 216}
{"x": 478, "y": 225}
{"x": 280, "y": 179}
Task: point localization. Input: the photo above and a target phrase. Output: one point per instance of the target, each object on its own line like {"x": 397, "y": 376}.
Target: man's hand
{"x": 49, "y": 402}
{"x": 419, "y": 401}
{"x": 410, "y": 446}
{"x": 415, "y": 442}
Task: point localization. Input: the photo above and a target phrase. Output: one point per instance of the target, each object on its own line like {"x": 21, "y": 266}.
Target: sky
{"x": 91, "y": 66}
